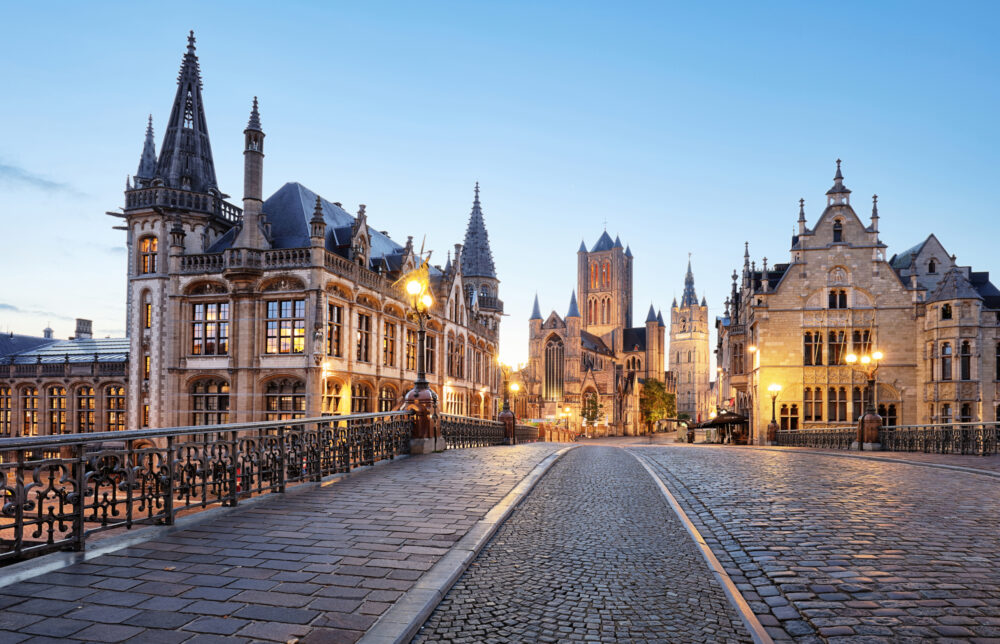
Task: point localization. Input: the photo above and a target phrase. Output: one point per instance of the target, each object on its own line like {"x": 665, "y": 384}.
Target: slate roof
{"x": 604, "y": 242}
{"x": 904, "y": 260}
{"x": 634, "y": 339}
{"x": 536, "y": 312}
{"x": 11, "y": 343}
{"x": 593, "y": 343}
{"x": 83, "y": 350}
{"x": 574, "y": 310}
{"x": 477, "y": 258}
{"x": 954, "y": 286}
{"x": 651, "y": 316}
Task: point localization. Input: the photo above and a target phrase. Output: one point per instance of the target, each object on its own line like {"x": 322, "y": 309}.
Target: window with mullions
{"x": 147, "y": 255}
{"x": 286, "y": 326}
{"x": 331, "y": 396}
{"x": 389, "y": 345}
{"x": 838, "y": 299}
{"x": 386, "y": 399}
{"x": 965, "y": 362}
{"x": 29, "y": 411}
{"x": 335, "y": 330}
{"x": 147, "y": 311}
{"x": 364, "y": 337}
{"x": 790, "y": 416}
{"x": 857, "y": 403}
{"x": 430, "y": 343}
{"x": 836, "y": 405}
{"x": 210, "y": 402}
{"x": 861, "y": 342}
{"x": 86, "y": 406}
{"x": 946, "y": 355}
{"x": 411, "y": 349}
{"x": 285, "y": 400}
{"x": 837, "y": 347}
{"x": 888, "y": 414}
{"x": 812, "y": 349}
{"x": 57, "y": 410}
{"x": 210, "y": 329}
{"x": 114, "y": 405}
{"x": 812, "y": 404}
{"x": 361, "y": 399}
{"x": 6, "y": 411}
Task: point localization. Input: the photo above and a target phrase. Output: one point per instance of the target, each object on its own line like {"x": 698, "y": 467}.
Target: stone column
{"x": 426, "y": 437}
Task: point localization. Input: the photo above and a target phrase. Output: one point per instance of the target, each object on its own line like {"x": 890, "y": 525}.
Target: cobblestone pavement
{"x": 989, "y": 463}
{"x": 320, "y": 565}
{"x": 593, "y": 553}
{"x": 844, "y": 549}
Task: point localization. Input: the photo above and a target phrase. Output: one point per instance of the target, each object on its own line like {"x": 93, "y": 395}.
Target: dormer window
{"x": 932, "y": 266}
{"x": 838, "y": 232}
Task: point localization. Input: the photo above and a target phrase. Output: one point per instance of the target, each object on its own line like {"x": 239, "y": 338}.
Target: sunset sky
{"x": 686, "y": 127}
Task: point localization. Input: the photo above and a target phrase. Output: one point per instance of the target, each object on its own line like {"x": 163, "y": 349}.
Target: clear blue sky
{"x": 688, "y": 127}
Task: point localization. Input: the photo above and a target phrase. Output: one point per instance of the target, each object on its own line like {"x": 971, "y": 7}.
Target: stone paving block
{"x": 107, "y": 633}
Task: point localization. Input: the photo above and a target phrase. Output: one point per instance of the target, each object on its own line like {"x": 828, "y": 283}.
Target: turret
{"x": 802, "y": 216}
{"x": 839, "y": 194}
{"x": 147, "y": 162}
{"x": 874, "y": 213}
{"x": 317, "y": 225}
{"x": 251, "y": 234}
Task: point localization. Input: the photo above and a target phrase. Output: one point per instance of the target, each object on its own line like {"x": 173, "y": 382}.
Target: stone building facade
{"x": 793, "y": 324}
{"x": 690, "y": 352}
{"x": 594, "y": 358}
{"x": 289, "y": 307}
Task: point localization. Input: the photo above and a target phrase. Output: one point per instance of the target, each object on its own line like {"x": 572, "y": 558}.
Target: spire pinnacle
{"x": 651, "y": 316}
{"x": 802, "y": 209}
{"x": 147, "y": 162}
{"x": 574, "y": 310}
{"x": 874, "y": 205}
{"x": 689, "y": 298}
{"x": 254, "y": 123}
{"x": 838, "y": 183}
{"x": 536, "y": 312}
{"x": 191, "y": 41}
{"x": 477, "y": 258}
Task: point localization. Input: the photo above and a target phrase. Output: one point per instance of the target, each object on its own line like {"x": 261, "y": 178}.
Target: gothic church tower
{"x": 689, "y": 352}
{"x": 604, "y": 282}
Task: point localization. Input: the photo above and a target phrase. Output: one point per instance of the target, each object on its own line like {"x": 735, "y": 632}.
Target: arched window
{"x": 965, "y": 415}
{"x": 331, "y": 397}
{"x": 932, "y": 266}
{"x": 114, "y": 407}
{"x": 209, "y": 402}
{"x": 85, "y": 409}
{"x": 285, "y": 400}
{"x": 147, "y": 255}
{"x": 29, "y": 411}
{"x": 554, "y": 370}
{"x": 857, "y": 403}
{"x": 888, "y": 414}
{"x": 946, "y": 361}
{"x": 593, "y": 275}
{"x": 837, "y": 405}
{"x": 386, "y": 398}
{"x": 946, "y": 311}
{"x": 813, "y": 348}
{"x": 6, "y": 410}
{"x": 361, "y": 399}
{"x": 836, "y": 349}
{"x": 946, "y": 413}
{"x": 812, "y": 404}
{"x": 57, "y": 410}
{"x": 838, "y": 231}
{"x": 965, "y": 362}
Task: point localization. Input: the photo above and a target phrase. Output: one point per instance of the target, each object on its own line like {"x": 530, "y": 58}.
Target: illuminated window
{"x": 837, "y": 347}
{"x": 85, "y": 409}
{"x": 386, "y": 399}
{"x": 389, "y": 345}
{"x": 286, "y": 326}
{"x": 429, "y": 354}
{"x": 335, "y": 330}
{"x": 411, "y": 349}
{"x": 285, "y": 400}
{"x": 364, "y": 337}
{"x": 331, "y": 396}
{"x": 554, "y": 370}
{"x": 210, "y": 329}
{"x": 146, "y": 366}
{"x": 812, "y": 407}
{"x": 6, "y": 411}
{"x": 209, "y": 402}
{"x": 114, "y": 405}
{"x": 361, "y": 399}
{"x": 145, "y": 415}
{"x": 147, "y": 255}
{"x": 147, "y": 311}
{"x": 29, "y": 411}
{"x": 57, "y": 410}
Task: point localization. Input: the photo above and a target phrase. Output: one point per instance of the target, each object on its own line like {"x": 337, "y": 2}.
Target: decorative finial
{"x": 802, "y": 209}
{"x": 254, "y": 123}
{"x": 318, "y": 210}
{"x": 361, "y": 210}
{"x": 605, "y": 225}
{"x": 875, "y": 205}
{"x": 191, "y": 41}
{"x": 149, "y": 125}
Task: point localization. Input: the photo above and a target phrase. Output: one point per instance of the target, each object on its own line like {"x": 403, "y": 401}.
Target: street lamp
{"x": 774, "y": 390}
{"x": 421, "y": 302}
{"x": 867, "y": 364}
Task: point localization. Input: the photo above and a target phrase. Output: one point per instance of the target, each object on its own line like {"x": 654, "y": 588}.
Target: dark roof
{"x": 905, "y": 259}
{"x": 651, "y": 316}
{"x": 604, "y": 242}
{"x": 11, "y": 343}
{"x": 477, "y": 258}
{"x": 594, "y": 343}
{"x": 536, "y": 313}
{"x": 954, "y": 286}
{"x": 83, "y": 350}
{"x": 583, "y": 247}
{"x": 981, "y": 282}
{"x": 634, "y": 339}
{"x": 574, "y": 310}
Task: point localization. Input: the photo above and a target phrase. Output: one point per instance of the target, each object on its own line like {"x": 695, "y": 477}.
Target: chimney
{"x": 84, "y": 329}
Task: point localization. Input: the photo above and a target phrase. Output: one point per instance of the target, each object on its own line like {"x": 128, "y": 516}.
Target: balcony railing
{"x": 182, "y": 199}
{"x": 55, "y": 491}
{"x": 462, "y": 431}
{"x": 526, "y": 434}
{"x": 942, "y": 438}
{"x": 64, "y": 369}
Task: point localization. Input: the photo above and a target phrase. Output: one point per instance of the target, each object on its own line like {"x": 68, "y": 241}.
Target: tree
{"x": 592, "y": 408}
{"x": 655, "y": 403}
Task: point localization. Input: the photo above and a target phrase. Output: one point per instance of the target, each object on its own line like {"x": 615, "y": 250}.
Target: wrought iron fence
{"x": 941, "y": 438}
{"x": 526, "y": 433}
{"x": 462, "y": 431}
{"x": 823, "y": 437}
{"x": 55, "y": 491}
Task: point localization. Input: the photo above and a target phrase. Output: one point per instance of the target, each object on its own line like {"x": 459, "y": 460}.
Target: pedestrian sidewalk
{"x": 320, "y": 565}
{"x": 989, "y": 464}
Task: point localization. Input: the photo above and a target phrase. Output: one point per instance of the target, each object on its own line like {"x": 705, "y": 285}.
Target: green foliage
{"x": 655, "y": 403}
{"x": 592, "y": 409}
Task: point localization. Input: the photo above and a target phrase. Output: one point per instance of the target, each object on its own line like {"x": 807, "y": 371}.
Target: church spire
{"x": 536, "y": 311}
{"x": 186, "y": 156}
{"x": 689, "y": 298}
{"x": 574, "y": 310}
{"x": 839, "y": 193}
{"x": 147, "y": 162}
{"x": 477, "y": 258}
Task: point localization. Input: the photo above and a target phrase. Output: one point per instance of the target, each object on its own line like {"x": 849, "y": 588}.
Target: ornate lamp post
{"x": 507, "y": 416}
{"x": 422, "y": 399}
{"x": 869, "y": 424}
{"x": 772, "y": 429}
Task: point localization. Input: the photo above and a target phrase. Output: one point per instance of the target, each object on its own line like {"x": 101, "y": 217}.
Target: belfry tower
{"x": 690, "y": 358}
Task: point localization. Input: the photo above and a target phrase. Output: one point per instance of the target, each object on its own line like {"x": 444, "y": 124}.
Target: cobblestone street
{"x": 836, "y": 549}
{"x": 594, "y": 553}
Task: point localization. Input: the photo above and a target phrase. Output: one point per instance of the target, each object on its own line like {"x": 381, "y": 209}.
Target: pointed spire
{"x": 802, "y": 210}
{"x": 651, "y": 316}
{"x": 618, "y": 242}
{"x": 874, "y": 206}
{"x": 536, "y": 311}
{"x": 659, "y": 318}
{"x": 254, "y": 123}
{"x": 674, "y": 305}
{"x": 604, "y": 242}
{"x": 583, "y": 247}
{"x": 317, "y": 225}
{"x": 838, "y": 183}
{"x": 628, "y": 251}
{"x": 689, "y": 298}
{"x": 477, "y": 258}
{"x": 186, "y": 155}
{"x": 147, "y": 162}
{"x": 574, "y": 311}
{"x": 704, "y": 302}
{"x": 447, "y": 265}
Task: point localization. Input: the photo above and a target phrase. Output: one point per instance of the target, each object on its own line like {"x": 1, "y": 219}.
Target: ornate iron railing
{"x": 941, "y": 438}
{"x": 462, "y": 431}
{"x": 55, "y": 491}
{"x": 525, "y": 433}
{"x": 822, "y": 437}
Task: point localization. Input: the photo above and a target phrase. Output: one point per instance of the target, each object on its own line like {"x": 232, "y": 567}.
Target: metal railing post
{"x": 168, "y": 501}
{"x": 79, "y": 531}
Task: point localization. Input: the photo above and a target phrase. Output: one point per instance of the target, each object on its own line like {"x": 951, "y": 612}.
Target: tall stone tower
{"x": 478, "y": 271}
{"x": 689, "y": 351}
{"x": 604, "y": 282}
